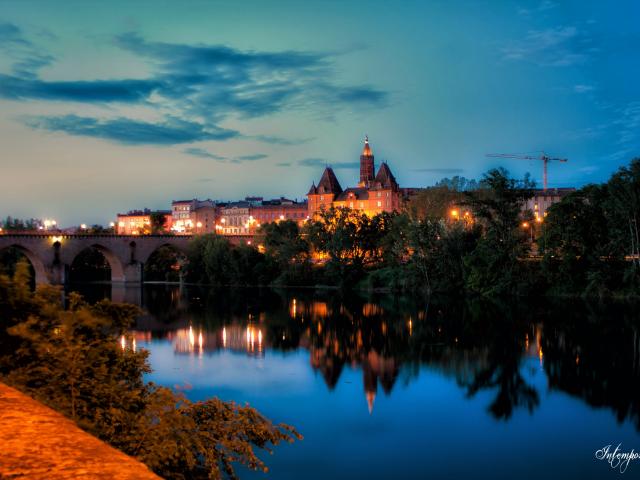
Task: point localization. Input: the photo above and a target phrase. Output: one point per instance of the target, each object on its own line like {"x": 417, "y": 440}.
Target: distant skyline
{"x": 111, "y": 106}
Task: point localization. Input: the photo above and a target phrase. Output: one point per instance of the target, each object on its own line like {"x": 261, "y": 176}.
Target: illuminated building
{"x": 138, "y": 222}
{"x": 543, "y": 199}
{"x": 245, "y": 217}
{"x": 373, "y": 195}
{"x": 185, "y": 216}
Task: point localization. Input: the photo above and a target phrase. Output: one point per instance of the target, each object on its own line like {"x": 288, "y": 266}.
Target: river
{"x": 385, "y": 386}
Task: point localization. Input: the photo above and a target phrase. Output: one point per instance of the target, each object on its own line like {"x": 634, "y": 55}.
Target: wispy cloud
{"x": 132, "y": 132}
{"x": 275, "y": 140}
{"x": 27, "y": 57}
{"x": 541, "y": 7}
{"x": 589, "y": 169}
{"x": 627, "y": 126}
{"x": 202, "y": 153}
{"x": 202, "y": 85}
{"x": 249, "y": 158}
{"x": 321, "y": 163}
{"x": 583, "y": 88}
{"x": 552, "y": 47}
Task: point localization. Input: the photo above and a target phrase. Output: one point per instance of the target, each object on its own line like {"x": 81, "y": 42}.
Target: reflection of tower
{"x": 370, "y": 384}
{"x": 376, "y": 368}
{"x": 367, "y": 166}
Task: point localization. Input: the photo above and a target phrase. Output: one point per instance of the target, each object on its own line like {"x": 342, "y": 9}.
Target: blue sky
{"x": 108, "y": 106}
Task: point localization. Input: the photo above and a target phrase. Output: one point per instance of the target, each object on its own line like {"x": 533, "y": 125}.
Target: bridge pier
{"x": 57, "y": 275}
{"x": 132, "y": 273}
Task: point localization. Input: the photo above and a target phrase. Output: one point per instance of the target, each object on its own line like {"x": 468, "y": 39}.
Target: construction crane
{"x": 545, "y": 160}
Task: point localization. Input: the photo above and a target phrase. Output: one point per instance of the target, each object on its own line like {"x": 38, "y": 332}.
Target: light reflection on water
{"x": 390, "y": 386}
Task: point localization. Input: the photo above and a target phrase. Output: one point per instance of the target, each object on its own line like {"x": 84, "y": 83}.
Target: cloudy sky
{"x": 109, "y": 106}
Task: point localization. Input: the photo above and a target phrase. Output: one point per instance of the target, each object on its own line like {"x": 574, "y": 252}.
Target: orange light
{"x": 525, "y": 224}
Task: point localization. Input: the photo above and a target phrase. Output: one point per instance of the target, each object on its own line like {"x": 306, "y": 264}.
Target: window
{"x": 379, "y": 203}
{"x": 361, "y": 204}
{"x": 379, "y": 194}
{"x": 350, "y": 204}
{"x": 321, "y": 197}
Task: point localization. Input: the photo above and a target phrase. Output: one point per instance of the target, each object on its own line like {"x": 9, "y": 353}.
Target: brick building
{"x": 373, "y": 195}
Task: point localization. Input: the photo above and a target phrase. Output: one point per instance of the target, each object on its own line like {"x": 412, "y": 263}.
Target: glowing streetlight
{"x": 83, "y": 226}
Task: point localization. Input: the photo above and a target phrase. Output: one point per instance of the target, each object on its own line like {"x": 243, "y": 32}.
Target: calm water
{"x": 391, "y": 387}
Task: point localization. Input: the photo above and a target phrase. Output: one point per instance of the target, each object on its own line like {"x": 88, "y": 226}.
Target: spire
{"x": 366, "y": 164}
{"x": 366, "y": 151}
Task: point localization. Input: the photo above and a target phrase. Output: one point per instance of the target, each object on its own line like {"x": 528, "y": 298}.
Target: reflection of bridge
{"x": 52, "y": 254}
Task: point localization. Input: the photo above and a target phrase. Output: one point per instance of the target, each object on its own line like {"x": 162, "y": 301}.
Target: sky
{"x": 111, "y": 106}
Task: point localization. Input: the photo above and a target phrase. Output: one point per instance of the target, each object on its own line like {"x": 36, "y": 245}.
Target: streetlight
{"x": 530, "y": 227}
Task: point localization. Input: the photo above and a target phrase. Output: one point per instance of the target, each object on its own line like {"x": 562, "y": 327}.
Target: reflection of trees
{"x": 595, "y": 355}
{"x": 591, "y": 354}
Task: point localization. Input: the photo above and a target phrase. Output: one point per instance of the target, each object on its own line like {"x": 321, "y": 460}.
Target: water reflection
{"x": 591, "y": 352}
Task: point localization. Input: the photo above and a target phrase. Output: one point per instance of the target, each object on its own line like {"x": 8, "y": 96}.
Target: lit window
{"x": 379, "y": 204}
{"x": 379, "y": 194}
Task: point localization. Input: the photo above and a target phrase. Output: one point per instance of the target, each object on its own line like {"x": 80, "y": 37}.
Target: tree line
{"x": 449, "y": 239}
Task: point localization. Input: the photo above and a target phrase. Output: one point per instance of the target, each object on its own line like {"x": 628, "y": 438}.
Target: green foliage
{"x": 494, "y": 266}
{"x": 434, "y": 203}
{"x": 213, "y": 260}
{"x": 163, "y": 265}
{"x": 590, "y": 239}
{"x": 74, "y": 361}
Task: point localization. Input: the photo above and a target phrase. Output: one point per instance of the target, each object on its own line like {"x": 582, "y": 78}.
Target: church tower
{"x": 367, "y": 167}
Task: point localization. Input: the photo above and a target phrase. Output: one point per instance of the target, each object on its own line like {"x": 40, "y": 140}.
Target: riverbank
{"x": 38, "y": 442}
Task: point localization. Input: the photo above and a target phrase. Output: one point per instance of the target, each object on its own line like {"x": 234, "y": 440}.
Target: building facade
{"x": 543, "y": 199}
{"x": 193, "y": 216}
{"x": 138, "y": 222}
{"x": 374, "y": 194}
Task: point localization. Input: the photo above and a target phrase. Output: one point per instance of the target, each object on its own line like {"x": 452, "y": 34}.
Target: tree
{"x": 494, "y": 267}
{"x": 81, "y": 362}
{"x": 348, "y": 237}
{"x": 283, "y": 241}
{"x": 434, "y": 203}
{"x": 157, "y": 222}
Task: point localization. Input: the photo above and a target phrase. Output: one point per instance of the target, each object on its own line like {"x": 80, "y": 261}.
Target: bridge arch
{"x": 163, "y": 262}
{"x": 36, "y": 262}
{"x": 115, "y": 263}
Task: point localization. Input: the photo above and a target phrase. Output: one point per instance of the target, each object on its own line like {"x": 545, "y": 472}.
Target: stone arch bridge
{"x": 52, "y": 254}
